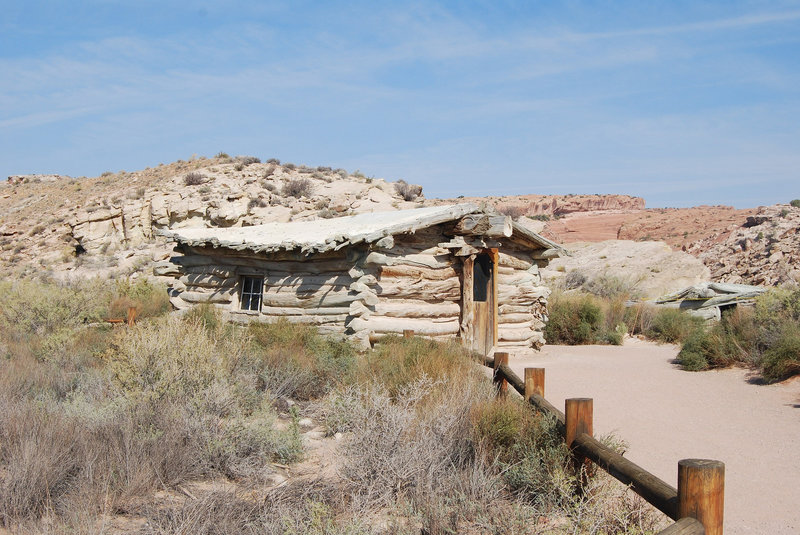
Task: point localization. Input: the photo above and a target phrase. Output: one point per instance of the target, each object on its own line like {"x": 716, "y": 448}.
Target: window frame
{"x": 250, "y": 294}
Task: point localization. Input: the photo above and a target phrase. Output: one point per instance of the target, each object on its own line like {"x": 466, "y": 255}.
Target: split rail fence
{"x": 696, "y": 505}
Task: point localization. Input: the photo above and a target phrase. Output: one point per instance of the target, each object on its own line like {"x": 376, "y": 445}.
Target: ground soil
{"x": 666, "y": 414}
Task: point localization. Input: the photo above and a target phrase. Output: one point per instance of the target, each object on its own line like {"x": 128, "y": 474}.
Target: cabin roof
{"x": 323, "y": 235}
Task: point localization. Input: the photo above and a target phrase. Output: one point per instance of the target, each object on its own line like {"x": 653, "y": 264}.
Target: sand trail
{"x": 666, "y": 414}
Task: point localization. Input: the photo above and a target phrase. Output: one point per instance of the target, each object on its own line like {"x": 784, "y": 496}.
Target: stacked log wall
{"x": 522, "y": 301}
{"x": 404, "y": 282}
{"x": 314, "y": 291}
{"x": 417, "y": 285}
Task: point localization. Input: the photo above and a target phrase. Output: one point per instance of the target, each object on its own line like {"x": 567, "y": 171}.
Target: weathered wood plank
{"x": 416, "y": 309}
{"x": 417, "y": 272}
{"x": 492, "y": 226}
{"x": 398, "y": 325}
{"x": 222, "y": 296}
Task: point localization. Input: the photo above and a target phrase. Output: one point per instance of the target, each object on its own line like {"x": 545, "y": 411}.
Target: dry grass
{"x": 98, "y": 423}
{"x": 408, "y": 192}
{"x": 298, "y": 187}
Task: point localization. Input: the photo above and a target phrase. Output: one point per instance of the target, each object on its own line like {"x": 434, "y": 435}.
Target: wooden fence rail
{"x": 697, "y": 503}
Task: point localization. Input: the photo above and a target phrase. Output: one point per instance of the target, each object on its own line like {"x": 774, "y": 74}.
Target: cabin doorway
{"x": 479, "y": 293}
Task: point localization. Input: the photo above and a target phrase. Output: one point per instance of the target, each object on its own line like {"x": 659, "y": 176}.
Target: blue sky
{"x": 683, "y": 103}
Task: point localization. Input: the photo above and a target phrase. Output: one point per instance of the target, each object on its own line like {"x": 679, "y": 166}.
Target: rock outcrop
{"x": 763, "y": 250}
{"x": 108, "y": 223}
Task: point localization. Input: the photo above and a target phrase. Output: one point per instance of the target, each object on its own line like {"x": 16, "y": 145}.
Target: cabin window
{"x": 252, "y": 288}
{"x": 481, "y": 278}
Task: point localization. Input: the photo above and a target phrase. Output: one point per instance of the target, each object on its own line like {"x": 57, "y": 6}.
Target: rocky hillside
{"x": 544, "y": 207}
{"x": 107, "y": 224}
{"x": 753, "y": 246}
{"x": 764, "y": 249}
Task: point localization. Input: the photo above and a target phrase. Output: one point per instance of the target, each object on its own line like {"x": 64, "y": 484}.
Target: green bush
{"x": 766, "y": 337}
{"x": 672, "y": 325}
{"x": 397, "y": 362}
{"x": 295, "y": 360}
{"x": 795, "y": 203}
{"x": 782, "y": 359}
{"x": 696, "y": 350}
{"x": 574, "y": 320}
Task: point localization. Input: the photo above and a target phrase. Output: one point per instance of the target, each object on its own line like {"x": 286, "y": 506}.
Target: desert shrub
{"x": 194, "y": 178}
{"x": 407, "y": 191}
{"x": 540, "y": 217}
{"x": 795, "y": 203}
{"x": 298, "y": 187}
{"x": 639, "y": 317}
{"x": 415, "y": 443}
{"x": 574, "y": 279}
{"x": 782, "y": 359}
{"x": 397, "y": 362}
{"x": 294, "y": 360}
{"x": 607, "y": 285}
{"x": 149, "y": 298}
{"x": 44, "y": 308}
{"x": 697, "y": 350}
{"x": 529, "y": 451}
{"x": 269, "y": 171}
{"x": 574, "y": 319}
{"x": 257, "y": 202}
{"x": 672, "y": 325}
{"x": 222, "y": 155}
{"x": 765, "y": 337}
{"x": 247, "y": 160}
{"x": 514, "y": 211}
{"x": 290, "y": 166}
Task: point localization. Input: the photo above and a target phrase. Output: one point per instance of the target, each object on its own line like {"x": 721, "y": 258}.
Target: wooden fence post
{"x": 408, "y": 333}
{"x": 534, "y": 382}
{"x": 701, "y": 489}
{"x": 502, "y": 384}
{"x": 131, "y": 316}
{"x": 578, "y": 419}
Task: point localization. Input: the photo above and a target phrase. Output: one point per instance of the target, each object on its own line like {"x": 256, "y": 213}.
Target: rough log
{"x": 493, "y": 226}
{"x": 509, "y": 261}
{"x": 515, "y": 318}
{"x": 662, "y": 496}
{"x": 545, "y": 254}
{"x": 515, "y": 309}
{"x": 246, "y": 255}
{"x": 302, "y": 288}
{"x": 417, "y": 272}
{"x": 398, "y": 325}
{"x": 311, "y": 311}
{"x": 207, "y": 280}
{"x": 289, "y": 299}
{"x": 684, "y": 526}
{"x": 298, "y": 279}
{"x": 416, "y": 309}
{"x": 515, "y": 335}
{"x": 518, "y": 278}
{"x": 422, "y": 260}
{"x": 435, "y": 290}
{"x": 222, "y": 296}
{"x": 317, "y": 320}
{"x": 217, "y": 271}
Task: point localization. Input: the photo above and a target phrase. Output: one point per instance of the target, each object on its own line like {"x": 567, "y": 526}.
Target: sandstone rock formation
{"x": 107, "y": 224}
{"x": 764, "y": 249}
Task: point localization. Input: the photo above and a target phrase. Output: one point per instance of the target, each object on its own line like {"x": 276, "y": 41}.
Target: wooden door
{"x": 480, "y": 296}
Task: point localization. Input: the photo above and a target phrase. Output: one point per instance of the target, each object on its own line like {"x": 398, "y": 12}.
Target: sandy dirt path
{"x": 666, "y": 414}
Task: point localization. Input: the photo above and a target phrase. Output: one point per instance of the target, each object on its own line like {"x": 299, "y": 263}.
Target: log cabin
{"x": 443, "y": 272}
